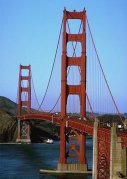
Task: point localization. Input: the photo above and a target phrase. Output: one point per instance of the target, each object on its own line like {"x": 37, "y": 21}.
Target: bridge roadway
{"x": 81, "y": 125}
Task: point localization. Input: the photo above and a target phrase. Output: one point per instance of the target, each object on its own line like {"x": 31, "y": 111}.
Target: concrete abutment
{"x": 118, "y": 154}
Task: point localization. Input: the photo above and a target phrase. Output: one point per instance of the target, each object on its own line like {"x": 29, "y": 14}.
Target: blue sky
{"x": 29, "y": 32}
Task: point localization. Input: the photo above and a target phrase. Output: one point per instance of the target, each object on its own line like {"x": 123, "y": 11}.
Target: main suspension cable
{"x": 52, "y": 66}
{"x": 55, "y": 104}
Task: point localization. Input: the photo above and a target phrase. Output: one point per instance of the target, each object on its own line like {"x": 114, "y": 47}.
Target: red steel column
{"x": 62, "y": 144}
{"x": 63, "y": 94}
{"x": 82, "y": 158}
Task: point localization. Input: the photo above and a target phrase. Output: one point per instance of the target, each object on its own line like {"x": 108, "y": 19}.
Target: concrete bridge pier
{"x": 23, "y": 131}
{"x": 118, "y": 156}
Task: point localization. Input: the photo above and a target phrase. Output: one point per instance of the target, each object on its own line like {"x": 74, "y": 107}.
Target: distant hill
{"x": 8, "y": 124}
{"x": 8, "y": 106}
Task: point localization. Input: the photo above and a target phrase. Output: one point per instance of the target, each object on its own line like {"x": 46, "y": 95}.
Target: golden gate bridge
{"x": 83, "y": 97}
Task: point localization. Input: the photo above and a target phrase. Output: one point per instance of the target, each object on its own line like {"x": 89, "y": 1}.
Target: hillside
{"x": 8, "y": 124}
{"x": 8, "y": 121}
{"x": 8, "y": 106}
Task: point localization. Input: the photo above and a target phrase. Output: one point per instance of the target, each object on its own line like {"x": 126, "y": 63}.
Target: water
{"x": 24, "y": 160}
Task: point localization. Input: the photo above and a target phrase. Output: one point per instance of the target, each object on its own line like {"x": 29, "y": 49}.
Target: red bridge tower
{"x": 76, "y": 149}
{"x": 24, "y": 103}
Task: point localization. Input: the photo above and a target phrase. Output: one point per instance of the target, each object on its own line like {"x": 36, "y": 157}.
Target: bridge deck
{"x": 75, "y": 123}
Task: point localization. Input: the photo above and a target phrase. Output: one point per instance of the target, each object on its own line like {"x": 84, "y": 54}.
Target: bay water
{"x": 22, "y": 161}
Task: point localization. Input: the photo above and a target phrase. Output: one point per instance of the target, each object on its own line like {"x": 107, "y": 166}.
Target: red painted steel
{"x": 66, "y": 89}
{"x": 75, "y": 124}
{"x": 103, "y": 158}
{"x": 26, "y": 103}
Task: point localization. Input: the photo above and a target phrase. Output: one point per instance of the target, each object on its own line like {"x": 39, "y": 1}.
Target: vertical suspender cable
{"x": 34, "y": 89}
{"x": 103, "y": 72}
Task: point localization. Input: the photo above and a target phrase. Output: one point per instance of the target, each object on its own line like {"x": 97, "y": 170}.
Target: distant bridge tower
{"x": 76, "y": 149}
{"x": 24, "y": 103}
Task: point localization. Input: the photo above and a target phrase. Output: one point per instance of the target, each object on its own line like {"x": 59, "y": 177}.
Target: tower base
{"x": 23, "y": 141}
{"x": 72, "y": 167}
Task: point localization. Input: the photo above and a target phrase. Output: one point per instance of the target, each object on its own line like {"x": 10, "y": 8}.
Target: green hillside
{"x": 8, "y": 106}
{"x": 8, "y": 124}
